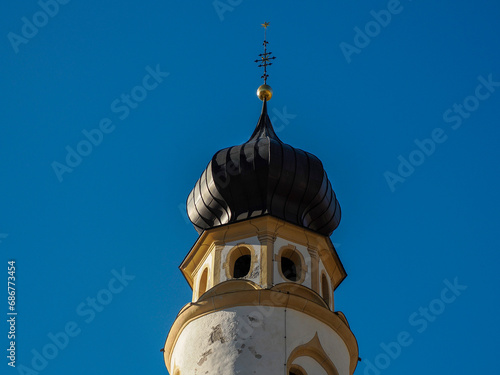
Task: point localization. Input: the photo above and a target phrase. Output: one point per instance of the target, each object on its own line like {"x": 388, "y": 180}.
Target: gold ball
{"x": 265, "y": 92}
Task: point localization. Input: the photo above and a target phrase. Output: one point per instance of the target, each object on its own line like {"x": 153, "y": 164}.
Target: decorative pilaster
{"x": 266, "y": 260}
{"x": 216, "y": 258}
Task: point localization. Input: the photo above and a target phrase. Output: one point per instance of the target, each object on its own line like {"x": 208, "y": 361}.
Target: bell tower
{"x": 263, "y": 270}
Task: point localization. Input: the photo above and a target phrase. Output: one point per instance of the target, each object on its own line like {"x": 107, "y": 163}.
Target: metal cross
{"x": 265, "y": 57}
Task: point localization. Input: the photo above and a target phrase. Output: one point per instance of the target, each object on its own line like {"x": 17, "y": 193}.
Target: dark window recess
{"x": 242, "y": 266}
{"x": 289, "y": 269}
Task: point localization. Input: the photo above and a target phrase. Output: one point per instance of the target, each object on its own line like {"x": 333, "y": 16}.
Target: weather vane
{"x": 265, "y": 92}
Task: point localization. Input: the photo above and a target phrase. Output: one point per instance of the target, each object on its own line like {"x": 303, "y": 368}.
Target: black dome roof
{"x": 264, "y": 176}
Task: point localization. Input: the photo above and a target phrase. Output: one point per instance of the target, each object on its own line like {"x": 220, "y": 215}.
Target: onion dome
{"x": 264, "y": 176}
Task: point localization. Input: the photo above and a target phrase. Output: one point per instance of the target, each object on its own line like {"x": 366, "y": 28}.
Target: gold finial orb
{"x": 265, "y": 92}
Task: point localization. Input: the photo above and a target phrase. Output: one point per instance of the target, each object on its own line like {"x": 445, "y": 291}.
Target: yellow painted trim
{"x": 341, "y": 315}
{"x": 230, "y": 286}
{"x": 298, "y": 368}
{"x": 301, "y": 291}
{"x": 217, "y": 252}
{"x": 314, "y": 350}
{"x": 266, "y": 259}
{"x": 207, "y": 284}
{"x": 202, "y": 260}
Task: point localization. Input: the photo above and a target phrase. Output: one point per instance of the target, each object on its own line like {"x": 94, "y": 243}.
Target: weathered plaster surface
{"x": 251, "y": 340}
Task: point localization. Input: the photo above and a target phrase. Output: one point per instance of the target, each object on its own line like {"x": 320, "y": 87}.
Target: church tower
{"x": 263, "y": 270}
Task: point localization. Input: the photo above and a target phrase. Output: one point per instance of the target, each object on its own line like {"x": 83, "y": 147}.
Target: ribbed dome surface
{"x": 264, "y": 176}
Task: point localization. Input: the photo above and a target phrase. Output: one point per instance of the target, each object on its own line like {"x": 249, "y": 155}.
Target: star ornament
{"x": 265, "y": 25}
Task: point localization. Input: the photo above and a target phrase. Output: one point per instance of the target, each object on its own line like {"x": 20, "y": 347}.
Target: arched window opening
{"x": 291, "y": 265}
{"x": 325, "y": 289}
{"x": 242, "y": 266}
{"x": 202, "y": 288}
{"x": 239, "y": 262}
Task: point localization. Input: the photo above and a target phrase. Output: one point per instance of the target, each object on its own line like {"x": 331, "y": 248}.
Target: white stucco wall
{"x": 250, "y": 340}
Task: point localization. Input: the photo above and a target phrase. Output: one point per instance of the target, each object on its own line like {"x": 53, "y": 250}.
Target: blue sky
{"x": 400, "y": 100}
